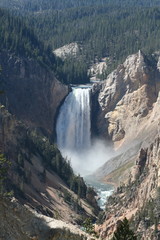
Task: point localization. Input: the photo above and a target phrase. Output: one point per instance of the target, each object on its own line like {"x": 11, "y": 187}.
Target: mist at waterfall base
{"x": 87, "y": 161}
{"x": 74, "y": 133}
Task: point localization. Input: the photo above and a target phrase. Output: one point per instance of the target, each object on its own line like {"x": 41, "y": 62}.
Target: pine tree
{"x": 123, "y": 231}
{"x": 0, "y": 78}
{"x": 4, "y": 165}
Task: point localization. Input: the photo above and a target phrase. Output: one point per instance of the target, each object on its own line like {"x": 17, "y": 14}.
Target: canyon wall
{"x": 138, "y": 198}
{"x": 126, "y": 100}
{"x": 128, "y": 108}
{"x": 129, "y": 116}
{"x": 31, "y": 91}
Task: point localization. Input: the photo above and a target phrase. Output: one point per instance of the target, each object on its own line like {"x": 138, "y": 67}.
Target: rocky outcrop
{"x": 128, "y": 109}
{"x": 98, "y": 69}
{"x": 126, "y": 100}
{"x": 70, "y": 50}
{"x": 19, "y": 222}
{"x": 141, "y": 161}
{"x": 117, "y": 169}
{"x": 31, "y": 91}
{"x": 139, "y": 198}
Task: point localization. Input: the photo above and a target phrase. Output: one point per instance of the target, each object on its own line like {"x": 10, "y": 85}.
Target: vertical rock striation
{"x": 127, "y": 98}
{"x": 129, "y": 107}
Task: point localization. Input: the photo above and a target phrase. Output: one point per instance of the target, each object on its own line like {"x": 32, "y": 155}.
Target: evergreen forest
{"x": 102, "y": 28}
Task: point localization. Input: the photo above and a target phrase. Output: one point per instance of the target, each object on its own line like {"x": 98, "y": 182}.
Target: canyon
{"x": 125, "y": 111}
{"x": 79, "y": 162}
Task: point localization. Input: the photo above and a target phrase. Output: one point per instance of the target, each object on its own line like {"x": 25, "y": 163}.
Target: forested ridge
{"x": 17, "y": 37}
{"x": 102, "y": 31}
{"x": 40, "y": 5}
{"x": 103, "y": 28}
{"x": 115, "y": 34}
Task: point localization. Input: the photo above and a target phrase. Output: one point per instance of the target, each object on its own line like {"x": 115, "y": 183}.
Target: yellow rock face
{"x": 128, "y": 99}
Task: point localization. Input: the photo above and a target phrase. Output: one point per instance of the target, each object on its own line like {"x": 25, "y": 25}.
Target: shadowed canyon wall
{"x": 31, "y": 92}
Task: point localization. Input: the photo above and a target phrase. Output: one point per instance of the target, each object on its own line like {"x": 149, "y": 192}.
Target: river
{"x": 103, "y": 190}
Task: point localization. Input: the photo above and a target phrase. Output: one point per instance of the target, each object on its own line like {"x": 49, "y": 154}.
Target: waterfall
{"x": 73, "y": 131}
{"x": 73, "y": 123}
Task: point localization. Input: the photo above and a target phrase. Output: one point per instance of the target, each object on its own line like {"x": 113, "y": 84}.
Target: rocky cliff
{"x": 70, "y": 50}
{"x": 128, "y": 111}
{"x": 31, "y": 91}
{"x": 126, "y": 100}
{"x": 129, "y": 115}
{"x": 20, "y": 222}
{"x": 138, "y": 199}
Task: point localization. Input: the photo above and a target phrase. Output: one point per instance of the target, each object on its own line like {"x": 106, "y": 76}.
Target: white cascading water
{"x": 73, "y": 123}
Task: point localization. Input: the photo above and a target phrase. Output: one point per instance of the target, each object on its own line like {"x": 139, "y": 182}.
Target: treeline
{"x": 18, "y": 38}
{"x": 103, "y": 28}
{"x": 41, "y": 5}
{"x": 115, "y": 34}
{"x": 53, "y": 160}
{"x": 73, "y": 71}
